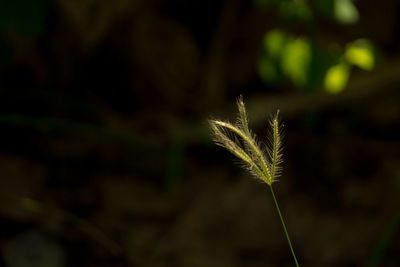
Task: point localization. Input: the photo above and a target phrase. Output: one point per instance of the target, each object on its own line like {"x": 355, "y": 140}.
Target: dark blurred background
{"x": 106, "y": 158}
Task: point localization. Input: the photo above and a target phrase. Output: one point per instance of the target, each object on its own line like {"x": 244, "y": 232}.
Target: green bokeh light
{"x": 361, "y": 54}
{"x": 296, "y": 59}
{"x": 336, "y": 78}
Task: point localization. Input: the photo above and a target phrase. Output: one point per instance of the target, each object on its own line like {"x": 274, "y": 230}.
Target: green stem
{"x": 284, "y": 226}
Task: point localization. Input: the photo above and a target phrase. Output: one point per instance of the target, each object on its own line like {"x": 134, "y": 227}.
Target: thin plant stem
{"x": 284, "y": 226}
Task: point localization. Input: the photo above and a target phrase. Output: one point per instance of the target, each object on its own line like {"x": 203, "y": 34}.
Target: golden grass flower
{"x": 262, "y": 162}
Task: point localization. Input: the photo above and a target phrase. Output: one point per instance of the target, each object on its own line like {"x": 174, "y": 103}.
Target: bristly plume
{"x": 276, "y": 152}
{"x": 240, "y": 141}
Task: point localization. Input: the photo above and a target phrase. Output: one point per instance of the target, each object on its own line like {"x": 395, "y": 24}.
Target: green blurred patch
{"x": 321, "y": 60}
{"x": 274, "y": 42}
{"x": 346, "y": 12}
{"x": 360, "y": 53}
{"x": 309, "y": 66}
{"x": 342, "y": 11}
{"x": 285, "y": 55}
{"x": 337, "y": 77}
{"x": 300, "y": 59}
{"x": 295, "y": 61}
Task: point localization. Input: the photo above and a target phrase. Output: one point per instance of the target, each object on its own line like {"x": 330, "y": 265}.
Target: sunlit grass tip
{"x": 263, "y": 162}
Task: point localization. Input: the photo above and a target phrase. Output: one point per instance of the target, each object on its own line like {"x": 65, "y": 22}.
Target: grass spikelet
{"x": 276, "y": 151}
{"x": 247, "y": 148}
{"x": 240, "y": 141}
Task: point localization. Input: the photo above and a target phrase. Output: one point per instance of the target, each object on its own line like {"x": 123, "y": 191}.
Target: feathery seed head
{"x": 240, "y": 141}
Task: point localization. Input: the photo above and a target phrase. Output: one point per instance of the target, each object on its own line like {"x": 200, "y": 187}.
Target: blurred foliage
{"x": 336, "y": 77}
{"x": 360, "y": 53}
{"x": 342, "y": 11}
{"x": 295, "y": 61}
{"x": 345, "y": 12}
{"x": 301, "y": 59}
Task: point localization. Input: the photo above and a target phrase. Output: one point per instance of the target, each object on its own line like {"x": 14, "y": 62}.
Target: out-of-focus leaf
{"x": 274, "y": 42}
{"x": 267, "y": 70}
{"x": 296, "y": 59}
{"x": 345, "y": 12}
{"x": 360, "y": 53}
{"x": 336, "y": 78}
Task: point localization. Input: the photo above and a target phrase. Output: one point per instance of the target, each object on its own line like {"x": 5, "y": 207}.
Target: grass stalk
{"x": 284, "y": 226}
